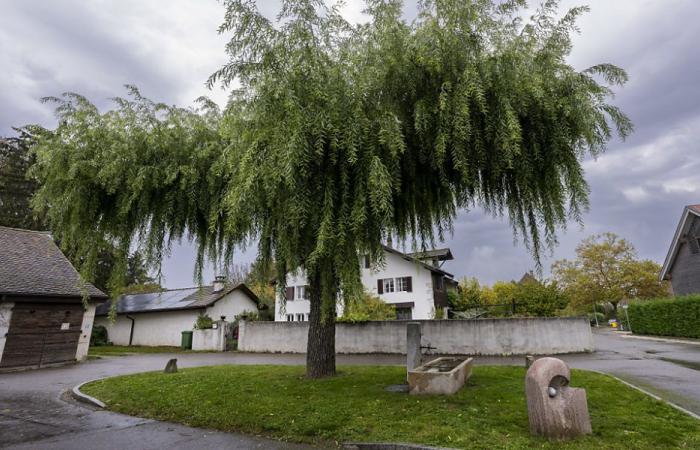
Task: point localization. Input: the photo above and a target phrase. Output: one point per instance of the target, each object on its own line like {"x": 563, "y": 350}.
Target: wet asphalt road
{"x": 35, "y": 412}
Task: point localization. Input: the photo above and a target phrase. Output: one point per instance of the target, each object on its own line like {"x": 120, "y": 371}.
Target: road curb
{"x": 387, "y": 446}
{"x": 84, "y": 398}
{"x": 660, "y": 339}
{"x": 652, "y": 395}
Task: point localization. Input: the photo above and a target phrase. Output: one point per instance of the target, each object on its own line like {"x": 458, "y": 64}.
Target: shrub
{"x": 203, "y": 322}
{"x": 539, "y": 299}
{"x": 367, "y": 307}
{"x": 601, "y": 318}
{"x": 250, "y": 316}
{"x": 99, "y": 336}
{"x": 677, "y": 316}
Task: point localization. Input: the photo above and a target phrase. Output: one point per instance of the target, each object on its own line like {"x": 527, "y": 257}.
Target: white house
{"x": 414, "y": 283}
{"x": 159, "y": 318}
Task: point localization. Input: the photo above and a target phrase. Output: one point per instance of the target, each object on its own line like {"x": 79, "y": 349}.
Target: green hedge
{"x": 679, "y": 316}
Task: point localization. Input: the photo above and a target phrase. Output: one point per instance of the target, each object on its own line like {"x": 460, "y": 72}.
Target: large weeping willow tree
{"x": 339, "y": 137}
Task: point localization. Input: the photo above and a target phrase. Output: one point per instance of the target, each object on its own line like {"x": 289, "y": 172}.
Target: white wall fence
{"x": 212, "y": 338}
{"x": 513, "y": 336}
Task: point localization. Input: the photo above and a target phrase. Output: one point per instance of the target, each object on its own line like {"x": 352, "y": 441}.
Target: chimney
{"x": 219, "y": 283}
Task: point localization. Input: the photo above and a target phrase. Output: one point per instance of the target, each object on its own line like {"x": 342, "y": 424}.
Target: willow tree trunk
{"x": 320, "y": 349}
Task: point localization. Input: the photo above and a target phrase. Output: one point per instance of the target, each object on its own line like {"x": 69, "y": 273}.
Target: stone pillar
{"x": 413, "y": 352}
{"x": 5, "y": 316}
{"x": 554, "y": 409}
{"x": 241, "y": 335}
{"x": 85, "y": 333}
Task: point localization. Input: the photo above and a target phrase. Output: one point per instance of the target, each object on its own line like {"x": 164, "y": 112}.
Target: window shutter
{"x": 380, "y": 286}
{"x": 290, "y": 293}
{"x": 409, "y": 284}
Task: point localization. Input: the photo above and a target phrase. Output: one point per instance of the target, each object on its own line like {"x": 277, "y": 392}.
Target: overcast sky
{"x": 169, "y": 48}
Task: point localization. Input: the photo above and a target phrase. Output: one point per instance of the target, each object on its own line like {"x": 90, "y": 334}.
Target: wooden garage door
{"x": 42, "y": 334}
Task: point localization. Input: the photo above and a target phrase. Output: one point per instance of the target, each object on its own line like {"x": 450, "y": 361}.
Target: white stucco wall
{"x": 395, "y": 267}
{"x": 5, "y": 316}
{"x": 85, "y": 332}
{"x": 150, "y": 328}
{"x": 165, "y": 328}
{"x": 508, "y": 336}
{"x": 117, "y": 331}
{"x": 211, "y": 339}
{"x": 231, "y": 305}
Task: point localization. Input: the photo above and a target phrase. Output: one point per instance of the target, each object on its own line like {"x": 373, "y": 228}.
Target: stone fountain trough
{"x": 444, "y": 375}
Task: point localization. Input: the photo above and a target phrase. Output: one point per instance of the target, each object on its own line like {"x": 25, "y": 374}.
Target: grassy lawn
{"x": 490, "y": 412}
{"x": 123, "y": 350}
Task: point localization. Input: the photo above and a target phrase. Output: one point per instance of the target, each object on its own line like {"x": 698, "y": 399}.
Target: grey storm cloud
{"x": 638, "y": 187}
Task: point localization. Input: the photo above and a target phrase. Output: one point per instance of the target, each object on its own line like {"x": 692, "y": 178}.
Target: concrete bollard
{"x": 413, "y": 351}
{"x": 555, "y": 410}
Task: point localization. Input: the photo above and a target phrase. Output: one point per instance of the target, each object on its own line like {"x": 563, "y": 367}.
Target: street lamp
{"x": 629, "y": 327}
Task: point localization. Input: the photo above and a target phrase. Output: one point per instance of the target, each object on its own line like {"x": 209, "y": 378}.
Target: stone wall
{"x": 209, "y": 339}
{"x": 518, "y": 336}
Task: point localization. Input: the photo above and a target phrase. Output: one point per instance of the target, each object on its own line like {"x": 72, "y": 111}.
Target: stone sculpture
{"x": 555, "y": 410}
{"x": 171, "y": 367}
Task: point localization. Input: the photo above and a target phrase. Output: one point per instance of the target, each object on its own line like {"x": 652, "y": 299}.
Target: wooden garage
{"x": 44, "y": 320}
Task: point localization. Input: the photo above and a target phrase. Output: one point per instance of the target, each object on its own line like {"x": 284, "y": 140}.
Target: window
{"x": 290, "y": 317}
{"x": 367, "y": 262}
{"x": 404, "y": 313}
{"x": 307, "y": 317}
{"x": 403, "y": 284}
{"x": 303, "y": 293}
{"x": 388, "y": 285}
{"x": 300, "y": 317}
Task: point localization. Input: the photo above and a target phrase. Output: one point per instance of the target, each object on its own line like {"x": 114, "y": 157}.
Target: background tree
{"x": 16, "y": 188}
{"x": 339, "y": 138}
{"x": 468, "y": 295}
{"x": 365, "y": 306}
{"x": 606, "y": 269}
{"x": 539, "y": 299}
{"x": 529, "y": 297}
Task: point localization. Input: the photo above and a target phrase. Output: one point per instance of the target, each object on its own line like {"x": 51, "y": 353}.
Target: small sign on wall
{"x": 65, "y": 326}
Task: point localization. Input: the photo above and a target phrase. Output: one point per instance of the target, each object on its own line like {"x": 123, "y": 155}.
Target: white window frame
{"x": 301, "y": 292}
{"x": 401, "y": 284}
{"x": 290, "y": 317}
{"x": 300, "y": 317}
{"x": 389, "y": 285}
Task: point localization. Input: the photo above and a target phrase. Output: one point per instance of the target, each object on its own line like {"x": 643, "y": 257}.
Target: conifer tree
{"x": 339, "y": 137}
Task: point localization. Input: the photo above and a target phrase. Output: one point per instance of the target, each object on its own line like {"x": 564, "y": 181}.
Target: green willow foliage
{"x": 341, "y": 136}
